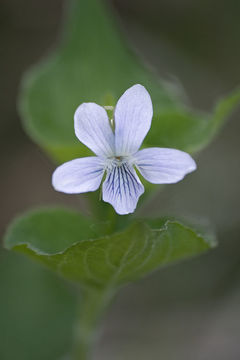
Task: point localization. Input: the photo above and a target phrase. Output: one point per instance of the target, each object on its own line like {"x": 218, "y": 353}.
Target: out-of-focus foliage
{"x": 94, "y": 64}
{"x": 37, "y": 311}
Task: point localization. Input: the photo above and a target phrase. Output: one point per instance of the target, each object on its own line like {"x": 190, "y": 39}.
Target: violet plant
{"x": 104, "y": 251}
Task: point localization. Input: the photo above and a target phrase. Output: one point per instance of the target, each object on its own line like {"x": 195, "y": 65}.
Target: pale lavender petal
{"x": 122, "y": 189}
{"x": 93, "y": 129}
{"x": 133, "y": 116}
{"x": 164, "y": 166}
{"x": 79, "y": 175}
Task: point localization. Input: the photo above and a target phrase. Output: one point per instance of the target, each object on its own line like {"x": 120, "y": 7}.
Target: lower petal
{"x": 79, "y": 175}
{"x": 164, "y": 166}
{"x": 122, "y": 189}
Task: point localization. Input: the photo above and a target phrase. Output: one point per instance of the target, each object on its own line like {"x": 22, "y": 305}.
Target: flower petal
{"x": 79, "y": 175}
{"x": 133, "y": 116}
{"x": 93, "y": 129}
{"x": 164, "y": 166}
{"x": 122, "y": 189}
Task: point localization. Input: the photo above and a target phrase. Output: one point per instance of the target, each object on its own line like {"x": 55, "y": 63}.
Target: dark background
{"x": 190, "y": 310}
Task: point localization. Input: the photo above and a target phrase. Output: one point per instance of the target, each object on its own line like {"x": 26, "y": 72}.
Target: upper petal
{"x": 133, "y": 116}
{"x": 164, "y": 166}
{"x": 122, "y": 189}
{"x": 93, "y": 129}
{"x": 79, "y": 175}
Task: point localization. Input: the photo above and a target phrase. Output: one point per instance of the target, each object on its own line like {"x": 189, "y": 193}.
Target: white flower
{"x": 118, "y": 153}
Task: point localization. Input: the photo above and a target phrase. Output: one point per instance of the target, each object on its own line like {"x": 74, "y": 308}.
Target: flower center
{"x": 116, "y": 161}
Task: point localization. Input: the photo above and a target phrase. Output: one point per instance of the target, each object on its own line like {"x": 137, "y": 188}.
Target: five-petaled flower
{"x": 118, "y": 153}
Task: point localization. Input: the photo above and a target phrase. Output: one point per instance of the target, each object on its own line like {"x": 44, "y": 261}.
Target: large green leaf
{"x": 94, "y": 64}
{"x": 67, "y": 243}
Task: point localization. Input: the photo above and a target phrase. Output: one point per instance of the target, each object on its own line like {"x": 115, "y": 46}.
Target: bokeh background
{"x": 187, "y": 311}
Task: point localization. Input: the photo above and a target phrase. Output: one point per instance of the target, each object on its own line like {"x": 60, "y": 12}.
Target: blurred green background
{"x": 191, "y": 310}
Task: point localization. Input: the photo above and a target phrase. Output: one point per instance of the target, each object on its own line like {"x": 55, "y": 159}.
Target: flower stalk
{"x": 92, "y": 307}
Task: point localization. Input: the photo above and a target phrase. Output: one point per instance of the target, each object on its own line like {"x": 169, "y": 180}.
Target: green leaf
{"x": 98, "y": 260}
{"x": 191, "y": 131}
{"x": 51, "y": 231}
{"x": 94, "y": 64}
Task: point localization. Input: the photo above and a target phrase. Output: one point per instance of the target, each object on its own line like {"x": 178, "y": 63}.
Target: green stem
{"x": 103, "y": 212}
{"x": 93, "y": 305}
{"x": 98, "y": 208}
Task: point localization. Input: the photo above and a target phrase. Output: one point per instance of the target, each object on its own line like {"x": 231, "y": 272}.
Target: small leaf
{"x": 100, "y": 260}
{"x": 94, "y": 64}
{"x": 191, "y": 131}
